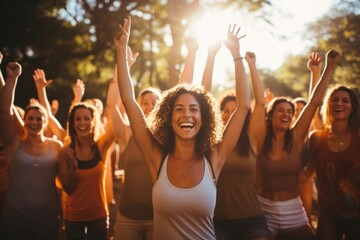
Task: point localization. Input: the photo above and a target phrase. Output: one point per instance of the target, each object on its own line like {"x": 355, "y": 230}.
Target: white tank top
{"x": 184, "y": 213}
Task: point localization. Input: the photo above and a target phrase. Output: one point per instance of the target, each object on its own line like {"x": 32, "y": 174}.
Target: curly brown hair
{"x": 160, "y": 119}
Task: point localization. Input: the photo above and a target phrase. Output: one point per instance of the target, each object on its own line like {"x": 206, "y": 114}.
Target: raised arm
{"x": 257, "y": 125}
{"x": 79, "y": 91}
{"x": 233, "y": 128}
{"x": 41, "y": 83}
{"x": 301, "y": 127}
{"x": 192, "y": 46}
{"x": 141, "y": 133}
{"x": 314, "y": 64}
{"x": 7, "y": 95}
{"x": 209, "y": 66}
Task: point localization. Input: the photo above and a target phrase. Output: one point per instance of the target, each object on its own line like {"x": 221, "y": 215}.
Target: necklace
{"x": 186, "y": 168}
{"x": 340, "y": 137}
{"x": 36, "y": 162}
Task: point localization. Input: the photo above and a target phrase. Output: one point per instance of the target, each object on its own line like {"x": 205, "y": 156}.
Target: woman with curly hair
{"x": 183, "y": 140}
{"x": 334, "y": 156}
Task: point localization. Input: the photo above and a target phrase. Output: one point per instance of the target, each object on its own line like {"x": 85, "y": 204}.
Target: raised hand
{"x": 131, "y": 58}
{"x": 250, "y": 57}
{"x": 40, "y": 79}
{"x": 191, "y": 43}
{"x": 79, "y": 90}
{"x": 13, "y": 70}
{"x": 332, "y": 58}
{"x": 314, "y": 63}
{"x": 232, "y": 41}
{"x": 268, "y": 95}
{"x": 121, "y": 38}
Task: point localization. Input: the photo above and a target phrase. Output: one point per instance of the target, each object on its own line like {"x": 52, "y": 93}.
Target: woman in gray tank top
{"x": 31, "y": 207}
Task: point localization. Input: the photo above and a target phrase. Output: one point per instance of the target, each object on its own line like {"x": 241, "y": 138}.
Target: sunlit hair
{"x": 97, "y": 103}
{"x": 270, "y": 108}
{"x": 152, "y": 90}
{"x": 36, "y": 106}
{"x": 226, "y": 97}
{"x": 354, "y": 117}
{"x": 95, "y": 120}
{"x": 211, "y": 129}
{"x": 299, "y": 100}
{"x": 243, "y": 143}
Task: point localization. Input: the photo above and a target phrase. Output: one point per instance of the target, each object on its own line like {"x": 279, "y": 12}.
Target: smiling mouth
{"x": 187, "y": 125}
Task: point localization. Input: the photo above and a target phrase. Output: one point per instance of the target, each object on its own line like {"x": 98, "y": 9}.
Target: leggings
{"x": 94, "y": 230}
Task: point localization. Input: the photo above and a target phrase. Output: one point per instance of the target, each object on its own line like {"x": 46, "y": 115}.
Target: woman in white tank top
{"x": 187, "y": 129}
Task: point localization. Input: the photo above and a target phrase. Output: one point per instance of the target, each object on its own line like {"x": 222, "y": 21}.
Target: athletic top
{"x": 236, "y": 193}
{"x": 136, "y": 192}
{"x": 88, "y": 201}
{"x": 279, "y": 175}
{"x": 32, "y": 191}
{"x": 184, "y": 213}
{"x": 338, "y": 176}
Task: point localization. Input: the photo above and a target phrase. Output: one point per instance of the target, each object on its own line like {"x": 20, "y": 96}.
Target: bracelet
{"x": 238, "y": 58}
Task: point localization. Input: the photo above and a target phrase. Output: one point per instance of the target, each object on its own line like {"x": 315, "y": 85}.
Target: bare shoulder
{"x": 315, "y": 136}
{"x": 56, "y": 144}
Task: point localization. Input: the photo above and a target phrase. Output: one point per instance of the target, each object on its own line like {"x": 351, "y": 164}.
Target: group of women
{"x": 205, "y": 171}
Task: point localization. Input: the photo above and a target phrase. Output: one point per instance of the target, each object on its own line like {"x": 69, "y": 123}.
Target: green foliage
{"x": 73, "y": 40}
{"x": 340, "y": 30}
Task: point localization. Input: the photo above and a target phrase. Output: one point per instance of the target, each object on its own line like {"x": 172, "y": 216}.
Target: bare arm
{"x": 67, "y": 168}
{"x": 302, "y": 125}
{"x": 309, "y": 171}
{"x": 233, "y": 128}
{"x": 187, "y": 74}
{"x": 7, "y": 95}
{"x": 41, "y": 83}
{"x": 257, "y": 125}
{"x": 315, "y": 65}
{"x": 141, "y": 133}
{"x": 209, "y": 66}
{"x": 79, "y": 91}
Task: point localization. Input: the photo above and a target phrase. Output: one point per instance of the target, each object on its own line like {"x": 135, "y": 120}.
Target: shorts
{"x": 242, "y": 228}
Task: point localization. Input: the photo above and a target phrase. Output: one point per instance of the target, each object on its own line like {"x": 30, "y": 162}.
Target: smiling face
{"x": 34, "y": 121}
{"x": 299, "y": 106}
{"x": 147, "y": 102}
{"x": 282, "y": 116}
{"x": 83, "y": 122}
{"x": 227, "y": 111}
{"x": 340, "y": 106}
{"x": 186, "y": 117}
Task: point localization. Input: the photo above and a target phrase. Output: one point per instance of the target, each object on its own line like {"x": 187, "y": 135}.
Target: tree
{"x": 340, "y": 29}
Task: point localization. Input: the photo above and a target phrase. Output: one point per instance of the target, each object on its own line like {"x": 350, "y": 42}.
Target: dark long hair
{"x": 243, "y": 143}
{"x": 95, "y": 118}
{"x": 267, "y": 146}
